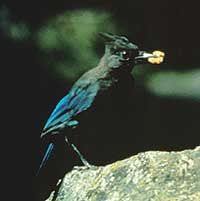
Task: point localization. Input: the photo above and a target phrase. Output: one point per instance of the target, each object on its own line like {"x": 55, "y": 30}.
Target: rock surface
{"x": 148, "y": 176}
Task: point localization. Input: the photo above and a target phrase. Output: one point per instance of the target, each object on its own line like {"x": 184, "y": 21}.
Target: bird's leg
{"x": 83, "y": 160}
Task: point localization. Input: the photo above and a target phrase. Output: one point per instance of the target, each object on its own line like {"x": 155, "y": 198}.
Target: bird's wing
{"x": 79, "y": 99}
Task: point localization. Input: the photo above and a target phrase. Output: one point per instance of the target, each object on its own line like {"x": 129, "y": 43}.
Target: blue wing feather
{"x": 60, "y": 108}
{"x": 78, "y": 100}
{"x": 85, "y": 98}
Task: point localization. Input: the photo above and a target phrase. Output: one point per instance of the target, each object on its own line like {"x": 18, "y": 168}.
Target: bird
{"x": 89, "y": 121}
{"x": 89, "y": 94}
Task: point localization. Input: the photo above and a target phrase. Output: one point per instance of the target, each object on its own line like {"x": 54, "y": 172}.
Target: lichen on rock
{"x": 152, "y": 176}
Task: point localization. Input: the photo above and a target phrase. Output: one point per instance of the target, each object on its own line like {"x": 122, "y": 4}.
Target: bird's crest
{"x": 108, "y": 37}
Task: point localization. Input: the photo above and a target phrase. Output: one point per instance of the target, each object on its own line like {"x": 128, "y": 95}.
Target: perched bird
{"x": 92, "y": 96}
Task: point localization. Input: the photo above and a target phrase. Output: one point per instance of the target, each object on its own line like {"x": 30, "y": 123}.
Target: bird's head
{"x": 121, "y": 53}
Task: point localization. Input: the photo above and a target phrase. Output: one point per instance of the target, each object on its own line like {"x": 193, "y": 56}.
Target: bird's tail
{"x": 45, "y": 158}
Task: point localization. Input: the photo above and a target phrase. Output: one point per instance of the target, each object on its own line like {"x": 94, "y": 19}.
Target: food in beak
{"x": 157, "y": 57}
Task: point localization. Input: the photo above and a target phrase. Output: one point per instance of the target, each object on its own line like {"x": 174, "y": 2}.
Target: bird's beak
{"x": 156, "y": 57}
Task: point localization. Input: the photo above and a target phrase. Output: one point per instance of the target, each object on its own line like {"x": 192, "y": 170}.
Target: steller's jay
{"x": 98, "y": 101}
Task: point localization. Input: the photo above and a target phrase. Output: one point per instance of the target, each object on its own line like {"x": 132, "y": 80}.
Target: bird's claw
{"x": 86, "y": 167}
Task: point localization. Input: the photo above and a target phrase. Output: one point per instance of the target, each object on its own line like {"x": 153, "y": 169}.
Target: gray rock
{"x": 148, "y": 176}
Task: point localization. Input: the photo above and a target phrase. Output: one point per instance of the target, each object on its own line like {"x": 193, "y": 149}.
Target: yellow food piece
{"x": 158, "y": 57}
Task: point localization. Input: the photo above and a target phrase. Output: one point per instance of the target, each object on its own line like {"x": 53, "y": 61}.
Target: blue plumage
{"x": 57, "y": 112}
{"x": 46, "y": 157}
{"x": 76, "y": 101}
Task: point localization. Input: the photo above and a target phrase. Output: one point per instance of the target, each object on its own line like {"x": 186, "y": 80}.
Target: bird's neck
{"x": 112, "y": 68}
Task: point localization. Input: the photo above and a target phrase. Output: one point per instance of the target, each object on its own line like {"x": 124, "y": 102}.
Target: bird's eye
{"x": 125, "y": 55}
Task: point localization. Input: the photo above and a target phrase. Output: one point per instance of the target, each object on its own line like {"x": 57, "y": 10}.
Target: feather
{"x": 46, "y": 157}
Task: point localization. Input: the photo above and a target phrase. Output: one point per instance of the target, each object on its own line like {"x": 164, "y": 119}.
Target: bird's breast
{"x": 103, "y": 127}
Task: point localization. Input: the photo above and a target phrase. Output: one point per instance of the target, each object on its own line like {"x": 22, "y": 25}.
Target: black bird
{"x": 93, "y": 94}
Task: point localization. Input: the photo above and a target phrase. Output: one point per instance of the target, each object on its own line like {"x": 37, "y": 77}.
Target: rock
{"x": 148, "y": 176}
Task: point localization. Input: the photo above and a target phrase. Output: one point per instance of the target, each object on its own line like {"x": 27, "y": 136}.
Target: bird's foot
{"x": 86, "y": 167}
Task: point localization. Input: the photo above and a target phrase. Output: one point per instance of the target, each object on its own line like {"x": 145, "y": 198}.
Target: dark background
{"x": 32, "y": 88}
